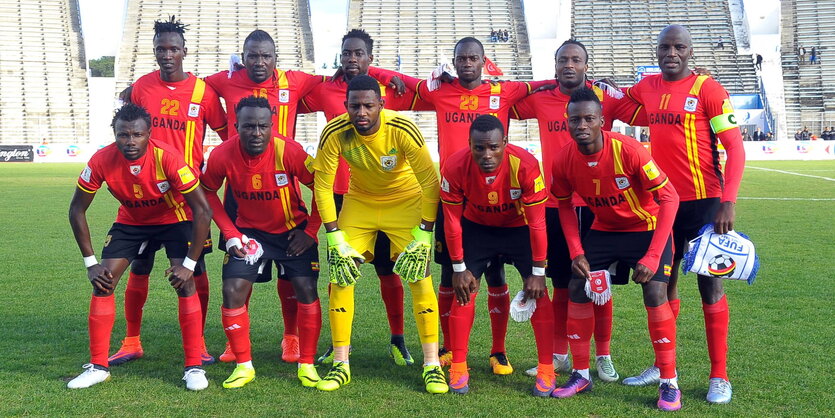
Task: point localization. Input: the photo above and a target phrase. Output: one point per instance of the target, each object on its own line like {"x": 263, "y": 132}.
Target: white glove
{"x": 233, "y": 59}
{"x": 522, "y": 311}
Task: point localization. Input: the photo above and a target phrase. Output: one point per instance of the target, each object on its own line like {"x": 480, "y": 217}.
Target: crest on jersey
{"x": 281, "y": 179}
{"x": 622, "y": 182}
{"x": 193, "y": 110}
{"x": 495, "y": 102}
{"x": 515, "y": 193}
{"x": 388, "y": 162}
{"x": 163, "y": 186}
{"x": 284, "y": 96}
{"x": 135, "y": 169}
{"x": 86, "y": 173}
{"x": 490, "y": 179}
{"x": 690, "y": 104}
{"x": 444, "y": 184}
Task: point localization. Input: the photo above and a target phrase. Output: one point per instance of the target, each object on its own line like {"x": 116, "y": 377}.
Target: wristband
{"x": 90, "y": 261}
{"x": 189, "y": 263}
{"x": 459, "y": 267}
{"x": 538, "y": 271}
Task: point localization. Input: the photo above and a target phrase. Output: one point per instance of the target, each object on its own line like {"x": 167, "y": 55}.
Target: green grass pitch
{"x": 778, "y": 360}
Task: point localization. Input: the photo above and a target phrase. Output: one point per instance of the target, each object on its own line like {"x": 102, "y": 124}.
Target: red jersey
{"x": 149, "y": 189}
{"x": 283, "y": 90}
{"x": 502, "y": 198}
{"x": 549, "y": 107}
{"x": 616, "y": 183}
{"x": 179, "y": 112}
{"x": 684, "y": 118}
{"x": 264, "y": 186}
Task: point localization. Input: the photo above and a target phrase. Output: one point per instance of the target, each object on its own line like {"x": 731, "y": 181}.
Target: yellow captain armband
{"x": 723, "y": 122}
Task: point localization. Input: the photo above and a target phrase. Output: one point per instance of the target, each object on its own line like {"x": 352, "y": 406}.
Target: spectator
{"x": 505, "y": 36}
{"x": 769, "y": 136}
{"x": 798, "y": 136}
{"x": 745, "y": 135}
{"x": 813, "y": 57}
{"x": 644, "y": 135}
{"x": 801, "y": 53}
{"x": 721, "y": 43}
{"x": 805, "y": 135}
{"x": 494, "y": 36}
{"x": 826, "y": 135}
{"x": 759, "y": 62}
{"x": 759, "y": 135}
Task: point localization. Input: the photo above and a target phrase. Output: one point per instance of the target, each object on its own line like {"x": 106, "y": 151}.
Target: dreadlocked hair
{"x": 172, "y": 25}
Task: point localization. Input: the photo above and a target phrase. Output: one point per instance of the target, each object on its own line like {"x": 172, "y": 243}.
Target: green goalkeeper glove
{"x": 411, "y": 263}
{"x": 342, "y": 260}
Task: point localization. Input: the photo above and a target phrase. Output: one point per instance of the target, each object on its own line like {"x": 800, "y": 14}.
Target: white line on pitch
{"x": 802, "y": 199}
{"x": 791, "y": 172}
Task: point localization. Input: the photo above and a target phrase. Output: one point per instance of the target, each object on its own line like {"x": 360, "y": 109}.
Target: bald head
{"x": 674, "y": 50}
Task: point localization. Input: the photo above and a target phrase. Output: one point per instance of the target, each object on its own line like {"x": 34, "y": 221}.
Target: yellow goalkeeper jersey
{"x": 387, "y": 165}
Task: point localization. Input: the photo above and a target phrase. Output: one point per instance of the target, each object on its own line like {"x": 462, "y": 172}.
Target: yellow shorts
{"x": 361, "y": 217}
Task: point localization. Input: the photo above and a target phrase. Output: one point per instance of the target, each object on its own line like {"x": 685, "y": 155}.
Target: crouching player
{"x": 493, "y": 197}
{"x": 262, "y": 170}
{"x": 393, "y": 189}
{"x": 634, "y": 206}
{"x": 153, "y": 183}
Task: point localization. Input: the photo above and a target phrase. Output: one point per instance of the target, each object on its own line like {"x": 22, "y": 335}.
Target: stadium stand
{"x": 621, "y": 35}
{"x": 426, "y": 32}
{"x": 217, "y": 28}
{"x": 43, "y": 79}
{"x": 809, "y": 88}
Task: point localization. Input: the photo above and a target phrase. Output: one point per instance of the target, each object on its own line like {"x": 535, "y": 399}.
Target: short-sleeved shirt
{"x": 616, "y": 183}
{"x": 179, "y": 112}
{"x": 497, "y": 198}
{"x": 684, "y": 118}
{"x": 149, "y": 189}
{"x": 283, "y": 90}
{"x": 329, "y": 98}
{"x": 263, "y": 186}
{"x": 457, "y": 107}
{"x": 550, "y": 108}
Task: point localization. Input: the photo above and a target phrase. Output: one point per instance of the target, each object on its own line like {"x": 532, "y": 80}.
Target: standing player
{"x": 457, "y": 104}
{"x": 329, "y": 98}
{"x": 262, "y": 171}
{"x": 393, "y": 189}
{"x": 634, "y": 206}
{"x": 283, "y": 89}
{"x": 549, "y": 108}
{"x": 688, "y": 116}
{"x": 181, "y": 105}
{"x": 153, "y": 184}
{"x": 493, "y": 197}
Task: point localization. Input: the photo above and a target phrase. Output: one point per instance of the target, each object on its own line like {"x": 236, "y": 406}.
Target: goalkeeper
{"x": 394, "y": 189}
{"x": 493, "y": 197}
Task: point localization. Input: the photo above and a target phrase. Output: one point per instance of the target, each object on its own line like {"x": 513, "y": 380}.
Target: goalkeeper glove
{"x": 342, "y": 267}
{"x": 411, "y": 263}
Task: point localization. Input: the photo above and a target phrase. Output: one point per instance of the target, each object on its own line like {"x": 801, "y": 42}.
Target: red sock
{"x": 446, "y": 297}
{"x": 560, "y": 307}
{"x": 236, "y": 326}
{"x": 602, "y": 328}
{"x": 289, "y": 306}
{"x": 310, "y": 326}
{"x": 498, "y": 302}
{"x": 391, "y": 289}
{"x": 580, "y": 327}
{"x": 662, "y": 333}
{"x": 201, "y": 281}
{"x": 460, "y": 324}
{"x": 100, "y": 322}
{"x": 717, "y": 317}
{"x": 136, "y": 294}
{"x": 191, "y": 329}
{"x": 543, "y": 328}
{"x": 675, "y": 305}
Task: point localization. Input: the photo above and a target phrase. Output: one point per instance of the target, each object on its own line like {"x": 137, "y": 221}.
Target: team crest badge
{"x": 515, "y": 193}
{"x": 490, "y": 180}
{"x": 444, "y": 184}
{"x": 690, "y": 104}
{"x": 622, "y": 182}
{"x": 163, "y": 186}
{"x": 284, "y": 96}
{"x": 388, "y": 162}
{"x": 495, "y": 102}
{"x": 281, "y": 179}
{"x": 135, "y": 170}
{"x": 193, "y": 110}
